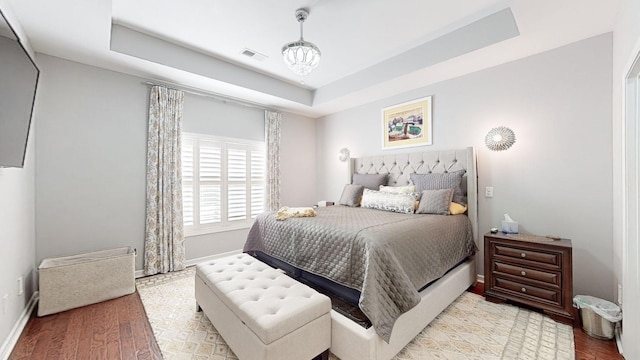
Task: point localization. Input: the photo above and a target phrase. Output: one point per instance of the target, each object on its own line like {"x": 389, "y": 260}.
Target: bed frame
{"x": 350, "y": 341}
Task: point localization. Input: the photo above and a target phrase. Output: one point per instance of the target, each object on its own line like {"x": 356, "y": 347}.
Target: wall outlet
{"x": 20, "y": 286}
{"x": 488, "y": 191}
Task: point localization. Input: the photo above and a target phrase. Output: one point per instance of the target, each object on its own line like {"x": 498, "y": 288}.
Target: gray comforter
{"x": 386, "y": 256}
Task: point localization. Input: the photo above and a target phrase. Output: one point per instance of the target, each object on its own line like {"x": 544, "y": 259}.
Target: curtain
{"x": 164, "y": 235}
{"x": 272, "y": 121}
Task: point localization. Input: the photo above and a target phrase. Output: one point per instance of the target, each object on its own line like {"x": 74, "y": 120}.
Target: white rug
{"x": 470, "y": 328}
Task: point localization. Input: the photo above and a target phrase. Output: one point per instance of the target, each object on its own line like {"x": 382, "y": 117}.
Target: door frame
{"x": 631, "y": 176}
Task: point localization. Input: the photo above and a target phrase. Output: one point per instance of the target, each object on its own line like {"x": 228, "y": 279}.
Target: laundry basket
{"x": 73, "y": 281}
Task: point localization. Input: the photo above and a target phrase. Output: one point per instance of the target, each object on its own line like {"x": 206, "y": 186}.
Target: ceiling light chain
{"x": 301, "y": 56}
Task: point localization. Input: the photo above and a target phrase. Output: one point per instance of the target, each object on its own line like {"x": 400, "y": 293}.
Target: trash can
{"x": 599, "y": 317}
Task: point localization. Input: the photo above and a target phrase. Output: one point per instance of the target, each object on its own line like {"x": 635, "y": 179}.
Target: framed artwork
{"x": 407, "y": 124}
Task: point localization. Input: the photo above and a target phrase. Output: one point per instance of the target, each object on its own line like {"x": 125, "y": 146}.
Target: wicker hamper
{"x": 78, "y": 280}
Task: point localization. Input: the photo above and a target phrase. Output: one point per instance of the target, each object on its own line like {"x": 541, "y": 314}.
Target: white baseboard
{"x": 14, "y": 335}
{"x": 140, "y": 273}
{"x": 618, "y": 339}
{"x": 481, "y": 278}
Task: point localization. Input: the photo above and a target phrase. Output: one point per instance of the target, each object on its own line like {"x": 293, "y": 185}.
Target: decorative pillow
{"x": 398, "y": 189}
{"x": 351, "y": 195}
{"x": 450, "y": 180}
{"x": 435, "y": 202}
{"x": 370, "y": 181}
{"x": 456, "y": 208}
{"x": 402, "y": 203}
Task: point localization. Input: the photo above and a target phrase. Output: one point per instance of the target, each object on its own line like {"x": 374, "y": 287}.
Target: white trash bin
{"x": 599, "y": 317}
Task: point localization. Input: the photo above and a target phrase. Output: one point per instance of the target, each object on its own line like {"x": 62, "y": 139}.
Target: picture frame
{"x": 408, "y": 124}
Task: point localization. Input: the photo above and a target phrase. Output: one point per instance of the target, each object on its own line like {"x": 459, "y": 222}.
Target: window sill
{"x": 218, "y": 229}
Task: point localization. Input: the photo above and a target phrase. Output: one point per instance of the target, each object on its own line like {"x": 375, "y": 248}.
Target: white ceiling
{"x": 365, "y": 43}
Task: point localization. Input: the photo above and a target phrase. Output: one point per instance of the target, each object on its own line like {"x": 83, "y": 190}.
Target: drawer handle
{"x": 524, "y": 290}
{"x": 523, "y": 273}
{"x": 523, "y": 255}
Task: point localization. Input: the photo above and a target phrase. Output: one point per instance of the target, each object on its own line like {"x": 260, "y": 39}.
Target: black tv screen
{"x": 18, "y": 82}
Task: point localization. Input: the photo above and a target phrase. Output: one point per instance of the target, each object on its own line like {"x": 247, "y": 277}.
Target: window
{"x": 223, "y": 183}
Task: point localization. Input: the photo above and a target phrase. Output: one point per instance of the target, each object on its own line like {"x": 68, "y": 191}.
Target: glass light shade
{"x": 301, "y": 57}
{"x": 344, "y": 154}
{"x": 500, "y": 138}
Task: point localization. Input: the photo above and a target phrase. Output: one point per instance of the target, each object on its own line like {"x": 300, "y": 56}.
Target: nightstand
{"x": 530, "y": 270}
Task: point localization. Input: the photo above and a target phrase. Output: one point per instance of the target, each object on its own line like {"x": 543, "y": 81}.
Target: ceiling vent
{"x": 253, "y": 54}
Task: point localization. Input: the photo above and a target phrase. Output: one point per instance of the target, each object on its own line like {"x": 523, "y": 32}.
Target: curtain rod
{"x": 199, "y": 92}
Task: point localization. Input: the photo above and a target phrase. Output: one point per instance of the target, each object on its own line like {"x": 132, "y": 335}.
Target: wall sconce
{"x": 500, "y": 138}
{"x": 344, "y": 154}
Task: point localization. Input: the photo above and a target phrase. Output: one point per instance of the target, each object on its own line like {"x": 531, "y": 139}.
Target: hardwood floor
{"x": 115, "y": 329}
{"x": 119, "y": 329}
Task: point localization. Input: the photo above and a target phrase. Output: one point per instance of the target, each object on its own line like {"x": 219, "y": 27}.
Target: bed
{"x": 378, "y": 259}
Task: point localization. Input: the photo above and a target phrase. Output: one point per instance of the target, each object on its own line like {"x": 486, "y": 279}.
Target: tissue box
{"x": 509, "y": 227}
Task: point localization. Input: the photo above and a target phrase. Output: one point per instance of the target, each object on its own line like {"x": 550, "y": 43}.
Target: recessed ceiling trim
{"x": 487, "y": 31}
{"x": 143, "y": 46}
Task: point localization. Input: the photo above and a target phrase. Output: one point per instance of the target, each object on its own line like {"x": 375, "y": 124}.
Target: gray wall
{"x": 17, "y": 221}
{"x": 207, "y": 115}
{"x": 557, "y": 177}
{"x": 90, "y": 183}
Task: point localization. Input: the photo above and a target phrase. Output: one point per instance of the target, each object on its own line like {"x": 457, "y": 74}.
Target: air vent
{"x": 253, "y": 54}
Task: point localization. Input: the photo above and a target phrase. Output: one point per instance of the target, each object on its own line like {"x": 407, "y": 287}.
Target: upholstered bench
{"x": 261, "y": 313}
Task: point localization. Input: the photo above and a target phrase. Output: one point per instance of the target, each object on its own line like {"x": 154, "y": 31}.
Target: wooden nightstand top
{"x": 533, "y": 239}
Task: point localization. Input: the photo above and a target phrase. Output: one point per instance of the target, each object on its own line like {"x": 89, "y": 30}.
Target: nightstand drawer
{"x": 552, "y": 259}
{"x": 552, "y": 278}
{"x": 525, "y": 290}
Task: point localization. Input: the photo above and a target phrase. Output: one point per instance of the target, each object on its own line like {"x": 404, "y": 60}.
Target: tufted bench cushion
{"x": 244, "y": 297}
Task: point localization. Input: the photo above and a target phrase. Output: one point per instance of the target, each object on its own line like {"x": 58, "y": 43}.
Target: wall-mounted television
{"x": 18, "y": 82}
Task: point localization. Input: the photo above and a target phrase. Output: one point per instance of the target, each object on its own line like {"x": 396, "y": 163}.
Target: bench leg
{"x": 323, "y": 356}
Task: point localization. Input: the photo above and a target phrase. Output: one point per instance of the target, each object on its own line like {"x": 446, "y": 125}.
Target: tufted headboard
{"x": 399, "y": 166}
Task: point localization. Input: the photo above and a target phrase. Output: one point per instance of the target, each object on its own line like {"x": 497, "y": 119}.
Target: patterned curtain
{"x": 272, "y": 121}
{"x": 164, "y": 236}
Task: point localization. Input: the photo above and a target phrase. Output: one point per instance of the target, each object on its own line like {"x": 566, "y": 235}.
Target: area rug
{"x": 470, "y": 328}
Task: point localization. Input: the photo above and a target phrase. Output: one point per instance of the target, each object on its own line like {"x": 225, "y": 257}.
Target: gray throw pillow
{"x": 435, "y": 202}
{"x": 351, "y": 195}
{"x": 450, "y": 180}
{"x": 370, "y": 181}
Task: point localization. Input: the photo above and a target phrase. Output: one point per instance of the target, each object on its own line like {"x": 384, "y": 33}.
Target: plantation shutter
{"x": 223, "y": 182}
{"x": 258, "y": 168}
{"x": 187, "y": 182}
{"x": 237, "y": 183}
{"x": 210, "y": 182}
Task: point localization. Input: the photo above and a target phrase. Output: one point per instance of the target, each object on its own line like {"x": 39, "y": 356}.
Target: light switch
{"x": 488, "y": 191}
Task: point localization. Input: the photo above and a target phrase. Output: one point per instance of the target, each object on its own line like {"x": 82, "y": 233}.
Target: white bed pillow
{"x": 408, "y": 189}
{"x": 401, "y": 203}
